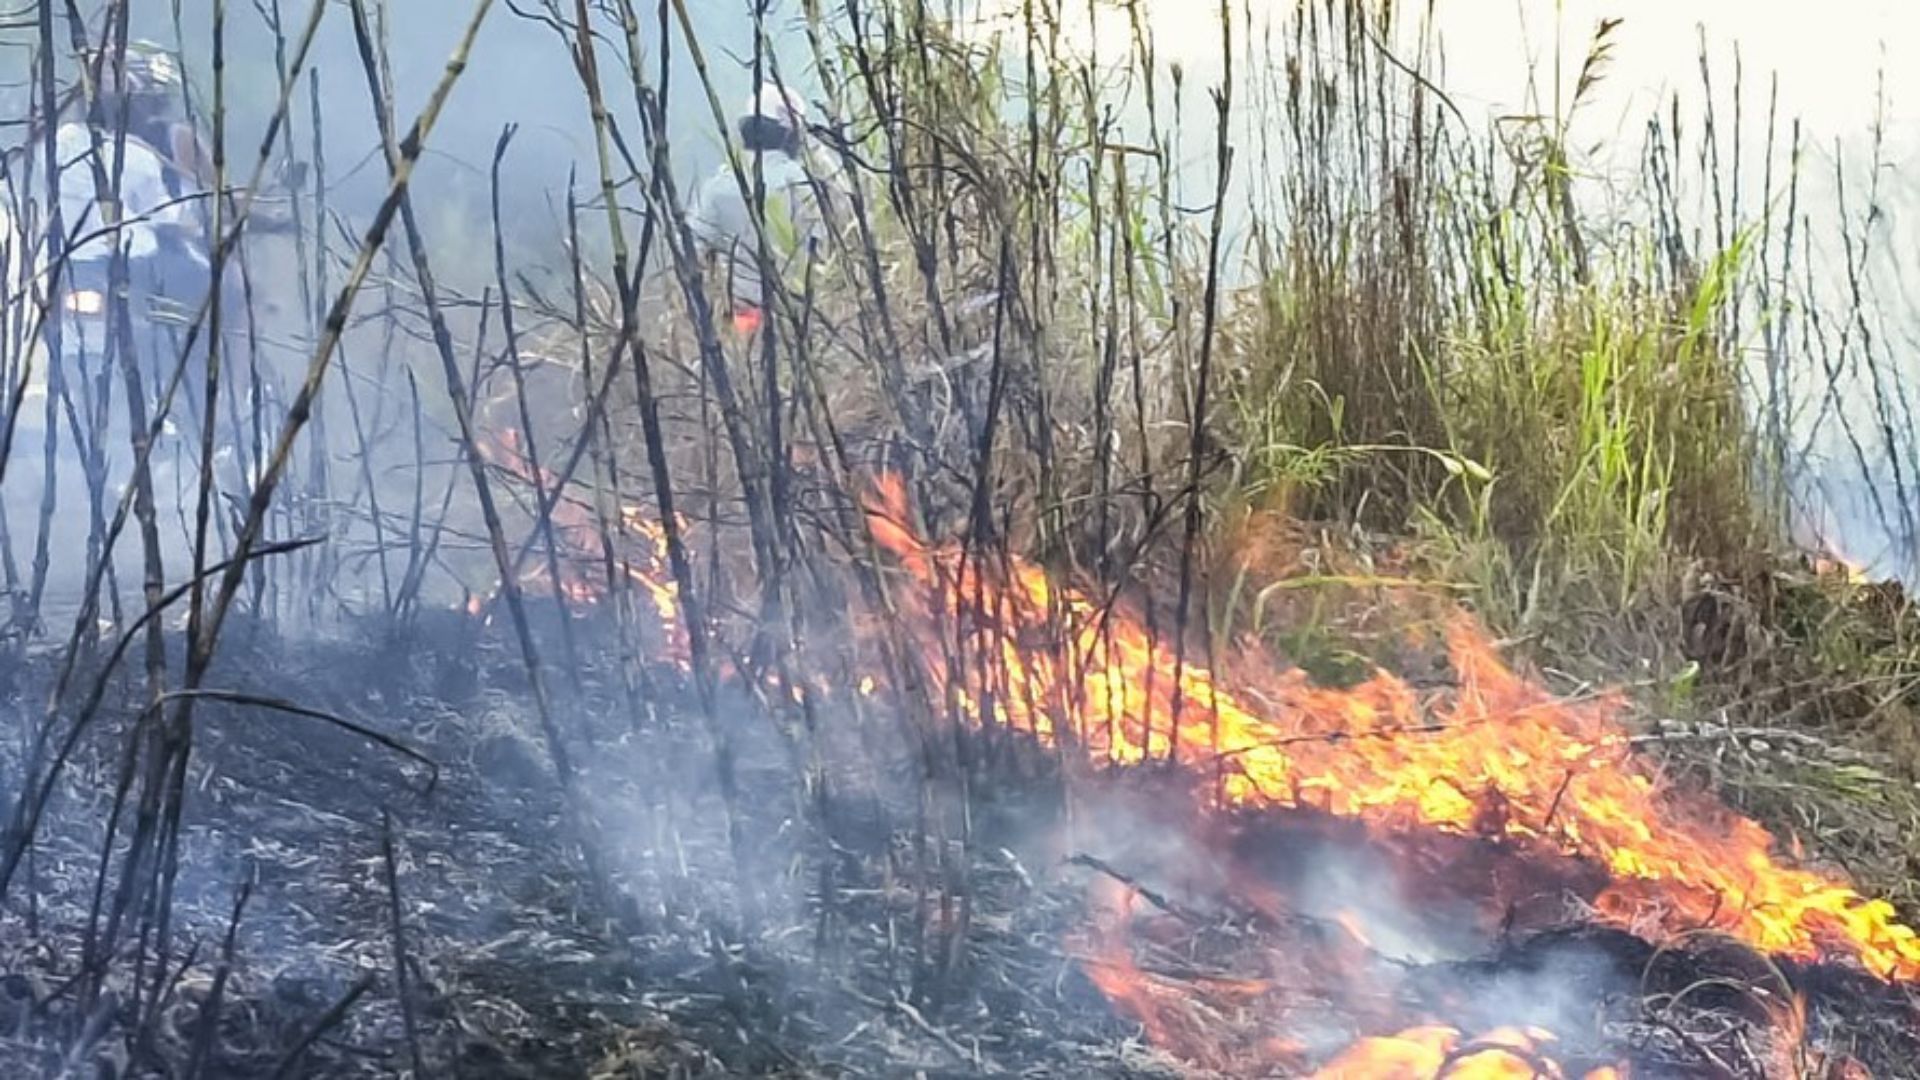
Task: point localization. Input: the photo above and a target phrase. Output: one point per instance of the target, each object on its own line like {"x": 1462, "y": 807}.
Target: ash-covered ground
{"x": 406, "y": 919}
{"x": 514, "y": 966}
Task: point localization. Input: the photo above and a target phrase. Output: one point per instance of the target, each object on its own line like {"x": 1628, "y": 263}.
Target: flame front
{"x": 1442, "y": 1053}
{"x": 638, "y": 550}
{"x": 1498, "y": 756}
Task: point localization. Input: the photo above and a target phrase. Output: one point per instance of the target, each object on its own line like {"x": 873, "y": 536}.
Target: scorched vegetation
{"x": 1114, "y": 567}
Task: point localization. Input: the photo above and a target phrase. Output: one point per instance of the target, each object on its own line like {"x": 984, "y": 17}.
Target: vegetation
{"x": 1369, "y": 361}
{"x": 1431, "y": 351}
{"x": 1421, "y": 351}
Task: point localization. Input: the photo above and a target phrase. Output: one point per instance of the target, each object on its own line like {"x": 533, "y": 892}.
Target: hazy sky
{"x": 1829, "y": 55}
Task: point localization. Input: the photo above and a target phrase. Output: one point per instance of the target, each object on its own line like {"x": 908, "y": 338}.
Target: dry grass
{"x": 1436, "y": 375}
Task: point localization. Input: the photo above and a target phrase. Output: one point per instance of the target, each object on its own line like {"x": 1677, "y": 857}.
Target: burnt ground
{"x": 518, "y": 968}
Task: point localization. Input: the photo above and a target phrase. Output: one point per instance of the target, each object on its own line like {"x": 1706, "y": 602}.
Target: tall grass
{"x": 1442, "y": 338}
{"x": 1426, "y": 322}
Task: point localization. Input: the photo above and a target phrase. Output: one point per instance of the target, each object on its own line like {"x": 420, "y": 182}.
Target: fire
{"x": 1172, "y": 1014}
{"x": 1839, "y": 566}
{"x": 1498, "y": 757}
{"x": 1435, "y": 1052}
{"x": 651, "y": 575}
{"x": 1205, "y": 1022}
{"x": 1829, "y": 558}
{"x": 640, "y": 551}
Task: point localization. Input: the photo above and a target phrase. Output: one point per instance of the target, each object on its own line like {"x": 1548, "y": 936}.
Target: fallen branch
{"x": 238, "y": 697}
{"x": 1095, "y": 863}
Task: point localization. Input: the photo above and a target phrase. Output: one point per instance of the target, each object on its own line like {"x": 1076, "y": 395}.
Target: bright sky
{"x": 1829, "y": 55}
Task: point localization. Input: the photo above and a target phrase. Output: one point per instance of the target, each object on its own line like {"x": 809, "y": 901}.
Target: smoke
{"x": 1360, "y": 891}
{"x": 1345, "y": 935}
{"x": 1563, "y": 991}
{"x": 521, "y": 73}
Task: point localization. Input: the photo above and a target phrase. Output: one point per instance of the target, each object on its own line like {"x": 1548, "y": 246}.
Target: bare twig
{"x": 327, "y": 1022}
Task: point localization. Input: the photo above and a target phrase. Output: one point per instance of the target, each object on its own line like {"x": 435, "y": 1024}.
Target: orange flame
{"x": 1435, "y": 1052}
{"x": 1172, "y": 1015}
{"x": 639, "y": 546}
{"x": 1498, "y": 756}
{"x": 1835, "y": 565}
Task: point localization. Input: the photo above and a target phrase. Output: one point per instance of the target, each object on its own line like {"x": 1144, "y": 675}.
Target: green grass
{"x": 1433, "y": 352}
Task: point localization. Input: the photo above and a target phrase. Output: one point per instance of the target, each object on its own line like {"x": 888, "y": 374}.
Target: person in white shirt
{"x": 773, "y": 133}
{"x": 158, "y": 200}
{"x": 158, "y": 221}
{"x": 149, "y": 208}
{"x": 145, "y": 86}
{"x": 163, "y": 186}
{"x": 156, "y": 217}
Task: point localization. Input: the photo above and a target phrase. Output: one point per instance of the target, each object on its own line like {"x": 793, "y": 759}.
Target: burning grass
{"x": 1494, "y": 760}
{"x": 790, "y": 782}
{"x": 1496, "y": 757}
